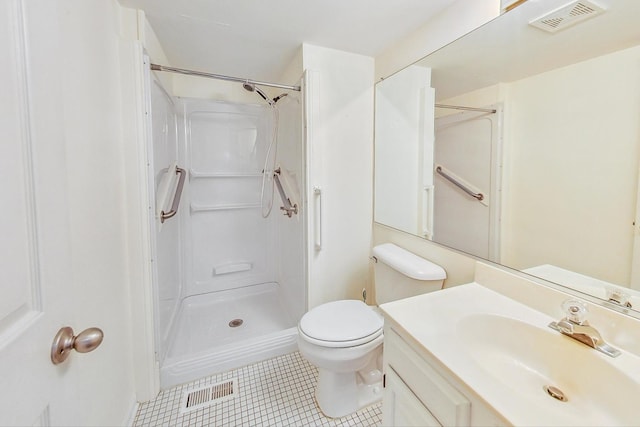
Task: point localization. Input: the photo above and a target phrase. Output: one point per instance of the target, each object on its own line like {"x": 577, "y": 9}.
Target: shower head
{"x": 251, "y": 87}
{"x": 279, "y": 97}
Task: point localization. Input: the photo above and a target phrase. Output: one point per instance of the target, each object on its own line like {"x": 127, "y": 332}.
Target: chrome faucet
{"x": 576, "y": 326}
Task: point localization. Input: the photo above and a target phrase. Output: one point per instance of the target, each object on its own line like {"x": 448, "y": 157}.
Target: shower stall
{"x": 229, "y": 276}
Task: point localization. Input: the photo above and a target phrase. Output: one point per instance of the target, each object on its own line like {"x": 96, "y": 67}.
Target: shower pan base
{"x": 207, "y": 338}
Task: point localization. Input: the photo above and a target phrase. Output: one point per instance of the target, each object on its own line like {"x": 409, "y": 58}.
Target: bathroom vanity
{"x": 473, "y": 356}
{"x": 420, "y": 392}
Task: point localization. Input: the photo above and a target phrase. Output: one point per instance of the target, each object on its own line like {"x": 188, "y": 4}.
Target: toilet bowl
{"x": 343, "y": 339}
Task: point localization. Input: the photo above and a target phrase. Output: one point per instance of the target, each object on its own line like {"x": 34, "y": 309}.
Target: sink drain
{"x": 235, "y": 323}
{"x": 555, "y": 392}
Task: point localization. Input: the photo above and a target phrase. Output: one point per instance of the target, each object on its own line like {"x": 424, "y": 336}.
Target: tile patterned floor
{"x": 276, "y": 392}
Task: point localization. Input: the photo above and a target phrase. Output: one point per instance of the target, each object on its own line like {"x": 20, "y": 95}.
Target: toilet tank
{"x": 401, "y": 274}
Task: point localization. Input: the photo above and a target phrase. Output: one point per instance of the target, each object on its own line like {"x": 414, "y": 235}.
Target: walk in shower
{"x": 229, "y": 283}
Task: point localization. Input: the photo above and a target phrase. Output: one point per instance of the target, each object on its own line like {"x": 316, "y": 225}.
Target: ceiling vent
{"x": 567, "y": 16}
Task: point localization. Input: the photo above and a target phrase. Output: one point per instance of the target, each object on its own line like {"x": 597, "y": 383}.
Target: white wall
{"x": 147, "y": 37}
{"x": 292, "y": 272}
{"x": 293, "y": 156}
{"x": 223, "y": 90}
{"x": 203, "y": 88}
{"x": 294, "y": 70}
{"x": 341, "y": 158}
{"x": 138, "y": 38}
{"x": 581, "y": 220}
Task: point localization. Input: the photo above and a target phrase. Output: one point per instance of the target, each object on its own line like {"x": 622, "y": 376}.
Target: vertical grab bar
{"x": 317, "y": 230}
{"x": 176, "y": 198}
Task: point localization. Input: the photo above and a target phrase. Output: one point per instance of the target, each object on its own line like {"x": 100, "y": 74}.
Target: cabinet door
{"x": 402, "y": 407}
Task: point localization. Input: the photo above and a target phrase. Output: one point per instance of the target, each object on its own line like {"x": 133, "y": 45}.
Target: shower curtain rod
{"x": 157, "y": 67}
{"x": 458, "y": 107}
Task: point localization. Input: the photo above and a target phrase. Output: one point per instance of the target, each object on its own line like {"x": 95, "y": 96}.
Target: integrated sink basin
{"x": 507, "y": 355}
{"x": 562, "y": 375}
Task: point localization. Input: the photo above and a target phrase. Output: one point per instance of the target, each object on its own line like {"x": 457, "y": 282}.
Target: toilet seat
{"x": 344, "y": 323}
{"x": 340, "y": 344}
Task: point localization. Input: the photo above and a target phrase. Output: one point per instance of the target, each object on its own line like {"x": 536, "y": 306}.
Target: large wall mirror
{"x": 520, "y": 143}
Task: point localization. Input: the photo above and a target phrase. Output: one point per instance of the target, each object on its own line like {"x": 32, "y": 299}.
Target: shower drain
{"x": 235, "y": 323}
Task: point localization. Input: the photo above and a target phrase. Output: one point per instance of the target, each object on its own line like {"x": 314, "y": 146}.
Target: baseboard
{"x": 132, "y": 415}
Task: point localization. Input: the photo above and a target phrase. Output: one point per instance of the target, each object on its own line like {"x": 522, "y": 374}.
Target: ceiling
{"x": 510, "y": 49}
{"x": 257, "y": 39}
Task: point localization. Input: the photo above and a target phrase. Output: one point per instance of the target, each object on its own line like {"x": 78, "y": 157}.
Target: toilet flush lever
{"x": 65, "y": 341}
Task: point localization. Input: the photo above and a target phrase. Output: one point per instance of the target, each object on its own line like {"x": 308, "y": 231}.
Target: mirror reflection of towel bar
{"x": 176, "y": 198}
{"x": 477, "y": 196}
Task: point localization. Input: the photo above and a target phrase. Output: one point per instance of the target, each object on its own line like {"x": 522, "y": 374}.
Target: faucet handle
{"x": 618, "y": 296}
{"x": 576, "y": 311}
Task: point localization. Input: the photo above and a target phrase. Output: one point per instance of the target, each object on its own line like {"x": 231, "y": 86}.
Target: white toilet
{"x": 343, "y": 339}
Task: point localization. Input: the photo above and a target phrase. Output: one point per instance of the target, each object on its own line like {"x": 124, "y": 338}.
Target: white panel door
{"x": 34, "y": 251}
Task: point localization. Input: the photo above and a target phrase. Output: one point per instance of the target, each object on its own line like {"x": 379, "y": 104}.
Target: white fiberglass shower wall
{"x": 230, "y": 284}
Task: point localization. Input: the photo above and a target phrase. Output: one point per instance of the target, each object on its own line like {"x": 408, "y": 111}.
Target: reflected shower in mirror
{"x": 520, "y": 145}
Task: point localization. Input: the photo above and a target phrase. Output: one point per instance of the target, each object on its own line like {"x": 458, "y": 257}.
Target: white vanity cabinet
{"x": 419, "y": 392}
{"x": 402, "y": 407}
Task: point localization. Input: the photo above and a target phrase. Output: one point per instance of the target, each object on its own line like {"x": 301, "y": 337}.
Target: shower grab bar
{"x": 176, "y": 198}
{"x": 195, "y": 208}
{"x": 460, "y": 107}
{"x": 477, "y": 196}
{"x": 317, "y": 230}
{"x": 288, "y": 208}
{"x": 198, "y": 175}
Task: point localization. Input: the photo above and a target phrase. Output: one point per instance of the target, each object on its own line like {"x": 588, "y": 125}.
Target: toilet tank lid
{"x": 408, "y": 263}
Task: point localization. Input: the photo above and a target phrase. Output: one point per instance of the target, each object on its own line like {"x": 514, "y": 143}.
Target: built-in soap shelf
{"x": 232, "y": 268}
